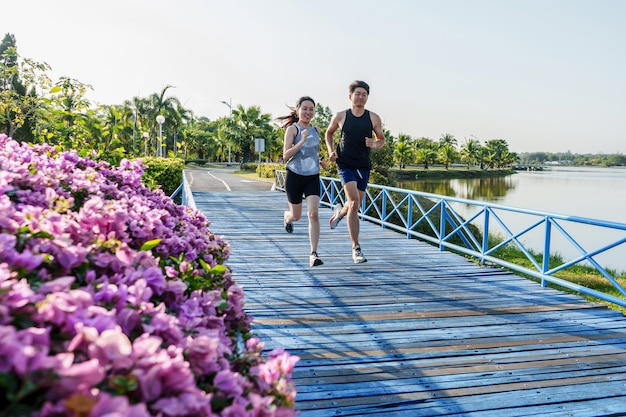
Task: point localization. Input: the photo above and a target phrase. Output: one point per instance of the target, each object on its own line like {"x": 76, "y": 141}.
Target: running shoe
{"x": 288, "y": 226}
{"x": 334, "y": 221}
{"x": 357, "y": 255}
{"x": 314, "y": 259}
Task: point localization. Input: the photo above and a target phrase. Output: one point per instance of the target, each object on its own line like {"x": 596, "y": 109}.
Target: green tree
{"x": 497, "y": 151}
{"x": 425, "y": 156}
{"x": 447, "y": 155}
{"x": 425, "y": 151}
{"x": 65, "y": 119}
{"x": 403, "y": 150}
{"x": 447, "y": 140}
{"x": 202, "y": 140}
{"x": 245, "y": 126}
{"x": 322, "y": 118}
{"x": 159, "y": 104}
{"x": 180, "y": 117}
{"x": 470, "y": 152}
{"x": 21, "y": 81}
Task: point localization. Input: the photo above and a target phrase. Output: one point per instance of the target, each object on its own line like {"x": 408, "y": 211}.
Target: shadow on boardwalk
{"x": 415, "y": 331}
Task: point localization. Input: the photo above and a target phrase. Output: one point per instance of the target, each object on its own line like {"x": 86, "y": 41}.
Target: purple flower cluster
{"x": 114, "y": 301}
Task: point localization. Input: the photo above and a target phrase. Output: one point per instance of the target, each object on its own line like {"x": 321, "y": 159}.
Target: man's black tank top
{"x": 351, "y": 150}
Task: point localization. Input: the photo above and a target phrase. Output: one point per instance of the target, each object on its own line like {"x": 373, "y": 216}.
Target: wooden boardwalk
{"x": 415, "y": 331}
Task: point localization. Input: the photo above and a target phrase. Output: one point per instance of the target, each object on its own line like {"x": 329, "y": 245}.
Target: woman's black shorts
{"x": 297, "y": 185}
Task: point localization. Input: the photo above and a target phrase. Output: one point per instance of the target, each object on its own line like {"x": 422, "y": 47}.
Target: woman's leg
{"x": 312, "y": 206}
{"x": 293, "y": 214}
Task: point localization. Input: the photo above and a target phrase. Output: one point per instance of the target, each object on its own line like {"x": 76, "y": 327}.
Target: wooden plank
{"x": 415, "y": 331}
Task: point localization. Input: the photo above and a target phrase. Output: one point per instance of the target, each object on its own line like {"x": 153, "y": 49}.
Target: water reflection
{"x": 481, "y": 189}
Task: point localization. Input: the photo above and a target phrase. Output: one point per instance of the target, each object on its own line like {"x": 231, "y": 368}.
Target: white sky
{"x": 545, "y": 75}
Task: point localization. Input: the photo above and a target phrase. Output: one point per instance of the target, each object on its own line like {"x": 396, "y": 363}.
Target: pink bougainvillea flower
{"x": 101, "y": 310}
{"x": 79, "y": 377}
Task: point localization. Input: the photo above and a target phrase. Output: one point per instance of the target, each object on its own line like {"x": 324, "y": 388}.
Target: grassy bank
{"x": 585, "y": 276}
{"x": 440, "y": 172}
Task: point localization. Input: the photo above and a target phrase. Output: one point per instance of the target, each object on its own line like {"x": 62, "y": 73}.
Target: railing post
{"x": 442, "y": 225}
{"x": 546, "y": 251}
{"x": 485, "y": 246}
{"x": 383, "y": 209}
{"x": 409, "y": 218}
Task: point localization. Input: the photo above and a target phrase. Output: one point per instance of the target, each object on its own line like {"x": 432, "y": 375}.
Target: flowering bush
{"x": 116, "y": 302}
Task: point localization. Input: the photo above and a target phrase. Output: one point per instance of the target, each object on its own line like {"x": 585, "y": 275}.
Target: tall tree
{"x": 447, "y": 155}
{"x": 447, "y": 139}
{"x": 159, "y": 104}
{"x": 403, "y": 150}
{"x": 21, "y": 81}
{"x": 247, "y": 125}
{"x": 496, "y": 150}
{"x": 470, "y": 152}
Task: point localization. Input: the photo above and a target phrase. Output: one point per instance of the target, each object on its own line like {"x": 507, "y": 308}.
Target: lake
{"x": 597, "y": 193}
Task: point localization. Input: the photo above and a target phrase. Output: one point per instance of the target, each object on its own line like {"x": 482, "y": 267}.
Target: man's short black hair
{"x": 358, "y": 83}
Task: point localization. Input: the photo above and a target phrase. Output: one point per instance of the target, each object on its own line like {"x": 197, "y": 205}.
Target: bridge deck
{"x": 415, "y": 331}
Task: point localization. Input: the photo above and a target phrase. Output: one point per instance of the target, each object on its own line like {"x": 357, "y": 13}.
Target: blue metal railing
{"x": 466, "y": 225}
{"x": 187, "y": 197}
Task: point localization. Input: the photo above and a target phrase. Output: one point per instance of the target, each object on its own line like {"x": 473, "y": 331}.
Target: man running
{"x": 352, "y": 155}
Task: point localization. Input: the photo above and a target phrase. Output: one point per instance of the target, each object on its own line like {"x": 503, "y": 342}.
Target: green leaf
{"x": 204, "y": 265}
{"x": 219, "y": 269}
{"x": 151, "y": 244}
{"x": 42, "y": 235}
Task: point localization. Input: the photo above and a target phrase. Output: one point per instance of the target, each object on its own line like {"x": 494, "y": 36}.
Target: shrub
{"x": 116, "y": 301}
{"x": 164, "y": 173}
{"x": 266, "y": 170}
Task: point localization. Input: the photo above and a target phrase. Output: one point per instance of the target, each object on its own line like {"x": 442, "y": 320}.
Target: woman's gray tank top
{"x": 306, "y": 161}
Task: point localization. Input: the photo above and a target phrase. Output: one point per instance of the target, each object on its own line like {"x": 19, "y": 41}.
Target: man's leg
{"x": 351, "y": 209}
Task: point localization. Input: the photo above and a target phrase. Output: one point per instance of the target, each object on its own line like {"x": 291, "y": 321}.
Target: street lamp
{"x": 230, "y": 107}
{"x": 160, "y": 120}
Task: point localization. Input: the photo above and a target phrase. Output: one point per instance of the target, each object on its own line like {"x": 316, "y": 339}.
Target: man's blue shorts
{"x": 361, "y": 176}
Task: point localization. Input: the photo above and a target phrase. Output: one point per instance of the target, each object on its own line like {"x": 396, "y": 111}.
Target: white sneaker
{"x": 315, "y": 260}
{"x": 357, "y": 255}
{"x": 334, "y": 220}
{"x": 288, "y": 226}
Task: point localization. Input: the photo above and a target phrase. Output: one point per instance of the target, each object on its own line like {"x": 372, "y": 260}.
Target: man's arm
{"x": 330, "y": 132}
{"x": 378, "y": 131}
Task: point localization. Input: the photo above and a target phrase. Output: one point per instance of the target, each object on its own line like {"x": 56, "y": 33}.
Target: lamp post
{"x": 230, "y": 107}
{"x": 160, "y": 120}
{"x": 145, "y": 143}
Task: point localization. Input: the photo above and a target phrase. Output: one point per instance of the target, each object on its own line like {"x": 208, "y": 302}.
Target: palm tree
{"x": 496, "y": 149}
{"x": 403, "y": 149}
{"x": 274, "y": 144}
{"x": 116, "y": 127}
{"x": 425, "y": 156}
{"x": 447, "y": 139}
{"x": 180, "y": 117}
{"x": 446, "y": 154}
{"x": 247, "y": 125}
{"x": 158, "y": 104}
{"x": 470, "y": 152}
